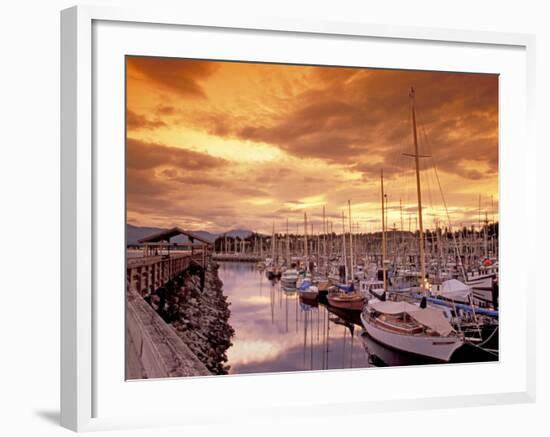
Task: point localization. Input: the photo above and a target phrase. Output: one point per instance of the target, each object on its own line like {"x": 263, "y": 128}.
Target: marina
{"x": 359, "y": 232}
{"x": 277, "y": 330}
{"x": 306, "y": 319}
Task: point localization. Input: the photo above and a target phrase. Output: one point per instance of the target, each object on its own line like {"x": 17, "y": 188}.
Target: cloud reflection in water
{"x": 274, "y": 333}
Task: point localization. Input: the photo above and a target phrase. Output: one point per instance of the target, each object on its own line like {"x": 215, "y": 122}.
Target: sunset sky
{"x": 223, "y": 145}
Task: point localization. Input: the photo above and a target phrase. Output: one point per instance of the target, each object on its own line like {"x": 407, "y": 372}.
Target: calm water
{"x": 275, "y": 331}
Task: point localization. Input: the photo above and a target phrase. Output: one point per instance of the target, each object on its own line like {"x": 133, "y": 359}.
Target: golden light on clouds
{"x": 221, "y": 145}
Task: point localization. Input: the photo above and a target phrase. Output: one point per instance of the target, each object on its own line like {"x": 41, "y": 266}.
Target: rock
{"x": 201, "y": 318}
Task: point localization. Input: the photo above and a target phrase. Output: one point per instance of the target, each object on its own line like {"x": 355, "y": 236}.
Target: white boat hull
{"x": 480, "y": 281}
{"x": 437, "y": 348}
{"x": 483, "y": 295}
{"x": 288, "y": 282}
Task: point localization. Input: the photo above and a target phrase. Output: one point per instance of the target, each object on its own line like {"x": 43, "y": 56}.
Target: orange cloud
{"x": 234, "y": 144}
{"x": 143, "y": 155}
{"x": 183, "y": 78}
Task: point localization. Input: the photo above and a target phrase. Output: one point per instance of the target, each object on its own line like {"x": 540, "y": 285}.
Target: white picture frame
{"x": 83, "y": 405}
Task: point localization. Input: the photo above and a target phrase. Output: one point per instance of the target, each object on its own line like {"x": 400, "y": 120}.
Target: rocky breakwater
{"x": 194, "y": 304}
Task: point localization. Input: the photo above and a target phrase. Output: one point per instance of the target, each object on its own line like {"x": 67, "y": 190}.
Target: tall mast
{"x": 401, "y": 215}
{"x": 261, "y": 247}
{"x": 305, "y": 241}
{"x": 344, "y": 250}
{"x": 479, "y": 212}
{"x": 418, "y": 192}
{"x": 287, "y": 245}
{"x": 324, "y": 239}
{"x": 350, "y": 240}
{"x": 273, "y": 244}
{"x": 383, "y": 229}
{"x": 297, "y": 239}
{"x": 492, "y": 210}
{"x": 318, "y": 238}
{"x": 485, "y": 236}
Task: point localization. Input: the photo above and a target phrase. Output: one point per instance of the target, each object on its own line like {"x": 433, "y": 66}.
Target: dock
{"x": 154, "y": 350}
{"x": 145, "y": 275}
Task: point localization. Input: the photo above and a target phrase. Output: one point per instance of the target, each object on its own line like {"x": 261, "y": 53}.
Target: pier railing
{"x": 145, "y": 274}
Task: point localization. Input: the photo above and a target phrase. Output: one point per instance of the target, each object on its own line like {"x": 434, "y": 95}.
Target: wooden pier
{"x": 145, "y": 275}
{"x": 154, "y": 349}
{"x": 158, "y": 265}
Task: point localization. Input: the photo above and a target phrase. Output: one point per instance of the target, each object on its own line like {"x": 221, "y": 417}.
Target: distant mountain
{"x": 241, "y": 233}
{"x": 136, "y": 233}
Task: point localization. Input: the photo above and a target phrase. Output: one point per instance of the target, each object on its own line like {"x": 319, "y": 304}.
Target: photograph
{"x": 288, "y": 217}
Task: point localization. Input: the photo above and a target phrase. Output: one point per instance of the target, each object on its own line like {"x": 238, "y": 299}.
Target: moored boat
{"x": 308, "y": 290}
{"x": 346, "y": 298}
{"x": 289, "y": 278}
{"x": 371, "y": 287}
{"x": 410, "y": 328}
{"x": 322, "y": 285}
{"x": 272, "y": 273}
{"x": 416, "y": 329}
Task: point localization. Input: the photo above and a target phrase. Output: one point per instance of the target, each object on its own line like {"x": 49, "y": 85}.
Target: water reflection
{"x": 276, "y": 331}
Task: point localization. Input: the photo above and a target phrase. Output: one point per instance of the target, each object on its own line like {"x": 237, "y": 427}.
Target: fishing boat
{"x": 412, "y": 328}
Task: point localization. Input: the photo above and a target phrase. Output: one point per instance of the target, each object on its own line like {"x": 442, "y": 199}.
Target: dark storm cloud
{"x": 349, "y": 115}
{"x": 143, "y": 155}
{"x": 183, "y": 78}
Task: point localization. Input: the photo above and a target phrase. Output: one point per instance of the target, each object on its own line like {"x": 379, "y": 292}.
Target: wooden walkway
{"x": 145, "y": 274}
{"x": 154, "y": 349}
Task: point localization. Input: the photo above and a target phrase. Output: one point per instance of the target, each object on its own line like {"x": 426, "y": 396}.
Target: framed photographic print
{"x": 280, "y": 207}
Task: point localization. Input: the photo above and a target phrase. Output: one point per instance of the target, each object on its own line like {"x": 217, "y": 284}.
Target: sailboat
{"x": 305, "y": 286}
{"x": 273, "y": 272}
{"x": 346, "y": 299}
{"x": 344, "y": 296}
{"x": 412, "y": 328}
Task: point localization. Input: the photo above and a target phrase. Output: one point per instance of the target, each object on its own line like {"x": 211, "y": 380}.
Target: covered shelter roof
{"x": 173, "y": 232}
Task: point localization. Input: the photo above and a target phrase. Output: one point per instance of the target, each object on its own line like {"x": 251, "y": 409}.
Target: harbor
{"x": 276, "y": 322}
{"x": 356, "y": 229}
{"x": 278, "y": 331}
